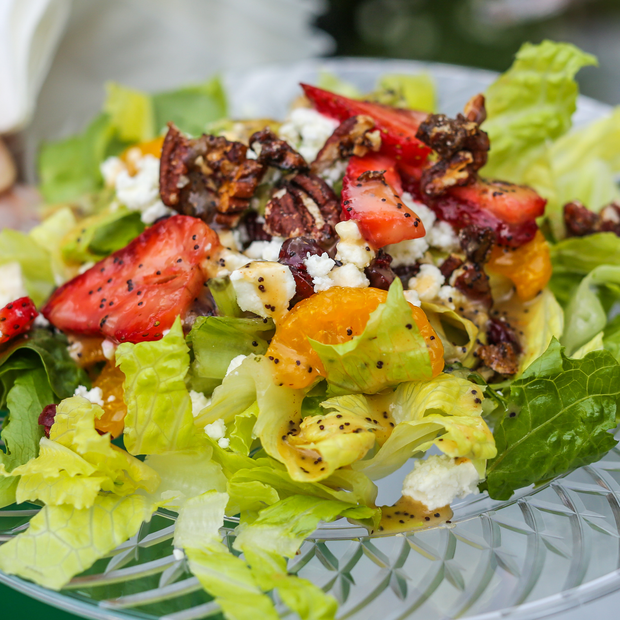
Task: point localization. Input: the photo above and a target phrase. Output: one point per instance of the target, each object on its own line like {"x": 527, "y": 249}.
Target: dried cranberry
{"x": 292, "y": 254}
{"x": 46, "y": 419}
{"x": 405, "y": 272}
{"x": 379, "y": 272}
{"x": 498, "y": 331}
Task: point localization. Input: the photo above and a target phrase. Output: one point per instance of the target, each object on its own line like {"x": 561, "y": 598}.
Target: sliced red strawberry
{"x": 16, "y": 318}
{"x": 513, "y": 204}
{"x": 370, "y": 196}
{"x": 136, "y": 293}
{"x": 398, "y": 126}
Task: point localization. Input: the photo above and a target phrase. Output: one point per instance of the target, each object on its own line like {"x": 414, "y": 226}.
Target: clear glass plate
{"x": 545, "y": 550}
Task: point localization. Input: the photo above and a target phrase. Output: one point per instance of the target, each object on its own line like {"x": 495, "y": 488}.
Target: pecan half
{"x": 580, "y": 221}
{"x": 207, "y": 177}
{"x": 502, "y": 357}
{"x": 304, "y": 206}
{"x": 477, "y": 242}
{"x": 475, "y": 109}
{"x": 355, "y": 136}
{"x": 461, "y": 145}
{"x": 271, "y": 151}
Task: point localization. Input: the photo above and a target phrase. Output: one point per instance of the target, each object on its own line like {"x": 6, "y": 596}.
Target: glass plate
{"x": 545, "y": 550}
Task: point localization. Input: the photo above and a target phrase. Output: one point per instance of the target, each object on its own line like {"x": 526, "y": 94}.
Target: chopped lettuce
{"x": 611, "y": 337}
{"x": 159, "y": 410}
{"x": 241, "y": 434}
{"x": 559, "y": 416}
{"x": 63, "y": 541}
{"x": 200, "y": 519}
{"x": 445, "y": 411}
{"x": 389, "y": 351}
{"x": 335, "y": 84}
{"x": 529, "y": 105}
{"x": 216, "y": 340}
{"x": 580, "y": 255}
{"x": 416, "y": 92}
{"x": 131, "y": 113}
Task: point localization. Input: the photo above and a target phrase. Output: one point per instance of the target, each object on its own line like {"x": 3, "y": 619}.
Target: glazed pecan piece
{"x": 474, "y": 283}
{"x": 580, "y": 221}
{"x": 461, "y": 145}
{"x": 355, "y": 136}
{"x": 477, "y": 242}
{"x": 207, "y": 177}
{"x": 450, "y": 265}
{"x": 271, "y": 151}
{"x": 304, "y": 206}
{"x": 502, "y": 357}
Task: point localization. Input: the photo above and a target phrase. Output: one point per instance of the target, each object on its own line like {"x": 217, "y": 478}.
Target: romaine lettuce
{"x": 558, "y": 418}
{"x": 131, "y": 113}
{"x": 159, "y": 410}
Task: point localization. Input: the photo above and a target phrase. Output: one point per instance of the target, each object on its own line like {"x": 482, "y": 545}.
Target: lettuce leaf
{"x": 529, "y": 105}
{"x": 282, "y": 527}
{"x": 216, "y": 340}
{"x": 416, "y": 92}
{"x": 131, "y": 113}
{"x": 200, "y": 520}
{"x": 611, "y": 337}
{"x": 445, "y": 411}
{"x": 159, "y": 410}
{"x": 580, "y": 255}
{"x": 389, "y": 351}
{"x": 63, "y": 541}
{"x": 558, "y": 418}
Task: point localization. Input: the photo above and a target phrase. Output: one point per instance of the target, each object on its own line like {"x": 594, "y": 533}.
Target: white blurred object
{"x": 29, "y": 33}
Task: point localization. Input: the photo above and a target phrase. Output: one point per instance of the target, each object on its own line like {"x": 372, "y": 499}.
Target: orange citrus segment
{"x": 332, "y": 317}
{"x": 133, "y": 153}
{"x": 111, "y": 383}
{"x": 528, "y": 266}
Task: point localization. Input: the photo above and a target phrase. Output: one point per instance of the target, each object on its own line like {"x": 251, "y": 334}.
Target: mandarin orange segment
{"x": 332, "y": 317}
{"x": 111, "y": 383}
{"x": 528, "y": 266}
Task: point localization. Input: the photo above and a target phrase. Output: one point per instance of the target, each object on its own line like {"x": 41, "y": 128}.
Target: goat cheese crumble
{"x": 306, "y": 130}
{"x": 95, "y": 396}
{"x": 216, "y": 431}
{"x": 11, "y": 283}
{"x": 352, "y": 247}
{"x": 438, "y": 480}
{"x": 199, "y": 402}
{"x": 427, "y": 283}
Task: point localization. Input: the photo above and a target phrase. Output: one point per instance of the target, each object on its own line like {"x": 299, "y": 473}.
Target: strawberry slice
{"x": 16, "y": 318}
{"x": 370, "y": 195}
{"x": 513, "y": 204}
{"x": 136, "y": 293}
{"x": 398, "y": 126}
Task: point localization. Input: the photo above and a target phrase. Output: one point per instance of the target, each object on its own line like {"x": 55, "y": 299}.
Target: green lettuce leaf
{"x": 62, "y": 541}
{"x": 190, "y": 108}
{"x": 558, "y": 418}
{"x": 48, "y": 349}
{"x": 416, "y": 92}
{"x": 16, "y": 246}
{"x": 241, "y": 434}
{"x": 200, "y": 520}
{"x": 389, "y": 351}
{"x": 529, "y": 105}
{"x": 282, "y": 527}
{"x": 159, "y": 410}
{"x": 131, "y": 113}
{"x": 335, "y": 84}
{"x": 94, "y": 237}
{"x": 445, "y": 411}
{"x": 611, "y": 337}
{"x": 580, "y": 255}
{"x": 216, "y": 340}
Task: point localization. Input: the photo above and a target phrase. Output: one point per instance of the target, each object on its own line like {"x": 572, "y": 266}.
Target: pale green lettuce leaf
{"x": 63, "y": 541}
{"x": 159, "y": 410}
{"x": 580, "y": 255}
{"x": 558, "y": 417}
{"x": 595, "y": 344}
{"x": 335, "y": 84}
{"x": 445, "y": 411}
{"x": 131, "y": 113}
{"x": 282, "y": 527}
{"x": 529, "y": 105}
{"x": 416, "y": 92}
{"x": 241, "y": 433}
{"x": 34, "y": 260}
{"x": 199, "y": 521}
{"x": 249, "y": 497}
{"x": 389, "y": 351}
{"x": 611, "y": 337}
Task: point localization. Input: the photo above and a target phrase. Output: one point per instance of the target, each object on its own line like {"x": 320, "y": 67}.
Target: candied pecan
{"x": 303, "y": 206}
{"x": 579, "y": 220}
{"x": 379, "y": 272}
{"x": 475, "y": 110}
{"x": 462, "y": 148}
{"x": 474, "y": 284}
{"x": 610, "y": 218}
{"x": 355, "y": 136}
{"x": 450, "y": 265}
{"x": 499, "y": 330}
{"x": 271, "y": 151}
{"x": 502, "y": 357}
{"x": 477, "y": 242}
{"x": 206, "y": 177}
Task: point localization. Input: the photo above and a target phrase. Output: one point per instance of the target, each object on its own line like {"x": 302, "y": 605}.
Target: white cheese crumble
{"x": 264, "y": 287}
{"x": 443, "y": 237}
{"x": 306, "y": 130}
{"x": 141, "y": 191}
{"x": 110, "y": 169}
{"x": 413, "y": 298}
{"x": 318, "y": 268}
{"x": 352, "y": 247}
{"x": 235, "y": 362}
{"x": 448, "y": 295}
{"x": 199, "y": 402}
{"x": 229, "y": 260}
{"x": 178, "y": 554}
{"x": 349, "y": 276}
{"x": 95, "y": 395}
{"x": 11, "y": 283}
{"x": 427, "y": 283}
{"x": 109, "y": 349}
{"x": 216, "y": 431}
{"x": 41, "y": 321}
{"x": 438, "y": 480}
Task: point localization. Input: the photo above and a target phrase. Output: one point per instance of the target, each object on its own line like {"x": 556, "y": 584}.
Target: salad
{"x": 259, "y": 319}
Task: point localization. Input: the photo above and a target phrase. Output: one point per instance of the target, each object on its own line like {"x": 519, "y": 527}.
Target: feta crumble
{"x": 178, "y": 554}
{"x": 306, "y": 130}
{"x": 95, "y": 396}
{"x": 318, "y": 268}
{"x": 109, "y": 349}
{"x": 11, "y": 283}
{"x": 412, "y": 297}
{"x": 216, "y": 431}
{"x": 264, "y": 287}
{"x": 199, "y": 402}
{"x": 427, "y": 283}
{"x": 443, "y": 237}
{"x": 352, "y": 247}
{"x": 110, "y": 169}
{"x": 229, "y": 260}
{"x": 438, "y": 480}
{"x": 349, "y": 276}
{"x": 235, "y": 362}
